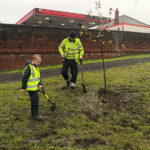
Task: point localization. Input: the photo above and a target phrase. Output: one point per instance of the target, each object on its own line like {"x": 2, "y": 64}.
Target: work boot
{"x": 37, "y": 118}
{"x": 67, "y": 85}
{"x": 73, "y": 87}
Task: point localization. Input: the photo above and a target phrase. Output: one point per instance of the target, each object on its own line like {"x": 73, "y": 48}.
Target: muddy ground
{"x": 82, "y": 121}
{"x": 4, "y": 78}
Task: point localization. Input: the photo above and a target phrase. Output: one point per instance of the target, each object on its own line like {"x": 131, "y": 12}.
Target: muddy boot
{"x": 67, "y": 85}
{"x": 73, "y": 87}
{"x": 35, "y": 114}
{"x": 37, "y": 117}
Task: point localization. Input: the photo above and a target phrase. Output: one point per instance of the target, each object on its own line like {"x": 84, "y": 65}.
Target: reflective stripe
{"x": 80, "y": 46}
{"x": 62, "y": 45}
{"x": 70, "y": 53}
{"x": 32, "y": 86}
{"x": 76, "y": 53}
{"x": 33, "y": 74}
{"x": 33, "y": 79}
{"x": 72, "y": 49}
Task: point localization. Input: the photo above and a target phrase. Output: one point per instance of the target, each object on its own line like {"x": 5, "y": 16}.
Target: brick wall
{"x": 19, "y": 42}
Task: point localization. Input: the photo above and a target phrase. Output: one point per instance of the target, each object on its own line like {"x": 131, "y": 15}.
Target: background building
{"x": 51, "y": 18}
{"x": 125, "y": 23}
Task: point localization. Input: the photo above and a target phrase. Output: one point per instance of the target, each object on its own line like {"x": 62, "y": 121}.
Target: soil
{"x": 106, "y": 103}
{"x": 5, "y": 78}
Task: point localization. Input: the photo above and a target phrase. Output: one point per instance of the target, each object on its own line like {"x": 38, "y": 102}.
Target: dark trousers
{"x": 74, "y": 70}
{"x": 34, "y": 97}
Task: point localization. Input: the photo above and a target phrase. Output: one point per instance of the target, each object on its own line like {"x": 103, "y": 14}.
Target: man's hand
{"x": 22, "y": 90}
{"x": 81, "y": 57}
{"x": 62, "y": 56}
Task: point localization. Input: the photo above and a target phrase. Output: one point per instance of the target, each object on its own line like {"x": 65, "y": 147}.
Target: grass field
{"x": 118, "y": 121}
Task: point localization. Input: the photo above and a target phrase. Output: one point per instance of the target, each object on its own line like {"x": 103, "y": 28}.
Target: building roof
{"x": 53, "y": 18}
{"x": 122, "y": 19}
{"x": 129, "y": 20}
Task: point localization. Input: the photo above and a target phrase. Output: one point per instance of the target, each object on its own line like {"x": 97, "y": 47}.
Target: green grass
{"x": 85, "y": 62}
{"x": 81, "y": 121}
{"x": 117, "y": 58}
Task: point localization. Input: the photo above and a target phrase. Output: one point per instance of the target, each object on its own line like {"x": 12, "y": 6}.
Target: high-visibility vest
{"x": 71, "y": 49}
{"x": 34, "y": 79}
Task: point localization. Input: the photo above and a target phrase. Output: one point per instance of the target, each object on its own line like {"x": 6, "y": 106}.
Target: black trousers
{"x": 34, "y": 97}
{"x": 74, "y": 70}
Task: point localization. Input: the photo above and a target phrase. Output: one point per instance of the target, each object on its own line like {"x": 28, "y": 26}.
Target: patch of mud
{"x": 118, "y": 100}
{"x": 106, "y": 103}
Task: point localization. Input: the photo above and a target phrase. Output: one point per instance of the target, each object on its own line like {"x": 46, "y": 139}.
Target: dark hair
{"x": 72, "y": 34}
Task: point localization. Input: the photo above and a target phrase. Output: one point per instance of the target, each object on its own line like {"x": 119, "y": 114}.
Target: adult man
{"x": 71, "y": 51}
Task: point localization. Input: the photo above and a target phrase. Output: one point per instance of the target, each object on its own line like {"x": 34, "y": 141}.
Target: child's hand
{"x": 40, "y": 86}
{"x": 22, "y": 90}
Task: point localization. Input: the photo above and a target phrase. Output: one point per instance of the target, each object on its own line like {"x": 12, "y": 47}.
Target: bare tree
{"x": 102, "y": 38}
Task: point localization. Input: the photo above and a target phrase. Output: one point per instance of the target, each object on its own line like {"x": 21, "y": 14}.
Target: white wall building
{"x": 125, "y": 23}
{"x": 128, "y": 27}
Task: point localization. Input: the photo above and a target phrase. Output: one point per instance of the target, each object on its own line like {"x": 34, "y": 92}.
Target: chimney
{"x": 116, "y": 17}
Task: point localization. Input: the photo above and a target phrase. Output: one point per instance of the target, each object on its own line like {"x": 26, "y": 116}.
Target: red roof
{"x": 58, "y": 14}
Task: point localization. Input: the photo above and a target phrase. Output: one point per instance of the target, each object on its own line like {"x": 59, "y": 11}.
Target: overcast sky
{"x": 12, "y": 11}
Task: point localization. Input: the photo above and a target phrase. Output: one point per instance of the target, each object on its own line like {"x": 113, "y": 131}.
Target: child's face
{"x": 36, "y": 61}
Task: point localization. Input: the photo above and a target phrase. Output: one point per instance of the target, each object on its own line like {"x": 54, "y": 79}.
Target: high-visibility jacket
{"x": 34, "y": 79}
{"x": 71, "y": 50}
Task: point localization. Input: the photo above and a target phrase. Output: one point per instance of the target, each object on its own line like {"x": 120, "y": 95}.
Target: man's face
{"x": 72, "y": 39}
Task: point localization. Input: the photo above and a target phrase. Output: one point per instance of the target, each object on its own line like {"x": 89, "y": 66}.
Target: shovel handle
{"x": 53, "y": 107}
{"x": 81, "y": 61}
{"x": 46, "y": 96}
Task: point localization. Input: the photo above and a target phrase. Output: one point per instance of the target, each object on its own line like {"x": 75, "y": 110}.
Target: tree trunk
{"x": 102, "y": 53}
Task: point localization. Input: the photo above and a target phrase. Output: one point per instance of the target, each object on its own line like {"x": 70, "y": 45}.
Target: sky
{"x": 11, "y": 11}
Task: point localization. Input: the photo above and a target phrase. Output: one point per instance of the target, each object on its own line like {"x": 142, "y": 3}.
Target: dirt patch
{"x": 98, "y": 104}
{"x": 118, "y": 100}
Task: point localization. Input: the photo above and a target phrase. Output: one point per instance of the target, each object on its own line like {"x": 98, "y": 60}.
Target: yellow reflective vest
{"x": 34, "y": 79}
{"x": 71, "y": 50}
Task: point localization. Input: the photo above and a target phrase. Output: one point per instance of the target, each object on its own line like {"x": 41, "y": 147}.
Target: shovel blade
{"x": 84, "y": 88}
{"x": 53, "y": 107}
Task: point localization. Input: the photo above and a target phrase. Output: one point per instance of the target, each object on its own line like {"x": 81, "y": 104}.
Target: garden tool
{"x": 53, "y": 107}
{"x": 83, "y": 86}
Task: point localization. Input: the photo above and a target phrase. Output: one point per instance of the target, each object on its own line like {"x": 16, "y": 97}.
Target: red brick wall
{"x": 19, "y": 42}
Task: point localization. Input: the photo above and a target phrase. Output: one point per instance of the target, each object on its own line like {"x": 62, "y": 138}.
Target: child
{"x": 31, "y": 81}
